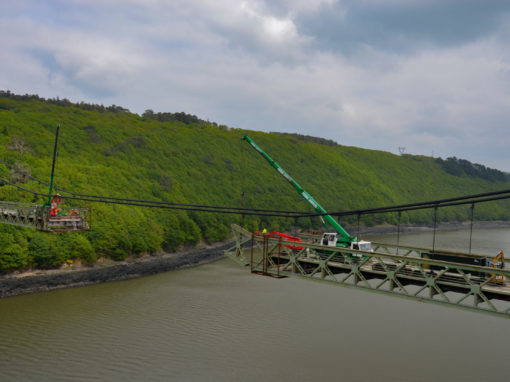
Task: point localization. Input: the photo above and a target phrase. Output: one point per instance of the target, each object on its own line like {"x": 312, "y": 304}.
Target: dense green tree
{"x": 80, "y": 248}
{"x": 180, "y": 158}
{"x": 43, "y": 253}
{"x": 12, "y": 254}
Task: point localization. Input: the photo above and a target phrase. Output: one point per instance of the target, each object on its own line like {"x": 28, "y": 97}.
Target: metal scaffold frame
{"x": 70, "y": 219}
{"x": 390, "y": 269}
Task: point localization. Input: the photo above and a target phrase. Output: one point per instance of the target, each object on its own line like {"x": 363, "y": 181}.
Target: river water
{"x": 218, "y": 322}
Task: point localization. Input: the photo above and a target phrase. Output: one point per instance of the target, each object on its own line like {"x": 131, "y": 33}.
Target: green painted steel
{"x": 63, "y": 219}
{"x": 345, "y": 238}
{"x": 392, "y": 270}
{"x": 50, "y": 192}
{"x": 70, "y": 219}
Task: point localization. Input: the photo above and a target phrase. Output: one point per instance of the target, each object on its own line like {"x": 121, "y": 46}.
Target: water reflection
{"x": 218, "y": 322}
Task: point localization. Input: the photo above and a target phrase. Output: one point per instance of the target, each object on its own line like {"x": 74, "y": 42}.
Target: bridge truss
{"x": 38, "y": 217}
{"x": 390, "y": 269}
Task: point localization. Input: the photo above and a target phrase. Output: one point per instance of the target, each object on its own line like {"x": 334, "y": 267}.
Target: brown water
{"x": 218, "y": 322}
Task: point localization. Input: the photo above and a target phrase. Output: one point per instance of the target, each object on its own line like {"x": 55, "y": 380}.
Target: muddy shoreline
{"x": 16, "y": 284}
{"x": 45, "y": 280}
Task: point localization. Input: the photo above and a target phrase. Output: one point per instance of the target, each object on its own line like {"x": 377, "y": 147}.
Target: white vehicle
{"x": 331, "y": 238}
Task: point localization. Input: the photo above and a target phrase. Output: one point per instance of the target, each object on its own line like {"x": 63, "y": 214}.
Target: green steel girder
{"x": 35, "y": 216}
{"x": 383, "y": 271}
{"x": 20, "y": 214}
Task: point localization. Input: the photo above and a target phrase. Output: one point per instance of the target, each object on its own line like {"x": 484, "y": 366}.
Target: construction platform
{"x": 69, "y": 219}
{"x": 390, "y": 269}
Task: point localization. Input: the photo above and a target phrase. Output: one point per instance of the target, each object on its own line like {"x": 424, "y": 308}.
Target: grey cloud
{"x": 211, "y": 59}
{"x": 402, "y": 26}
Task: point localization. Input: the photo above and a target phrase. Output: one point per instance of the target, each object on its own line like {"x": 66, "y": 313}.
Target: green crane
{"x": 50, "y": 192}
{"x": 341, "y": 237}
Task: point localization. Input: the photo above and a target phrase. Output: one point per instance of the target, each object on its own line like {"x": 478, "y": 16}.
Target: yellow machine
{"x": 497, "y": 262}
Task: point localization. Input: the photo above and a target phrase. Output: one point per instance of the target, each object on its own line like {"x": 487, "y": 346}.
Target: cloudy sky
{"x": 432, "y": 76}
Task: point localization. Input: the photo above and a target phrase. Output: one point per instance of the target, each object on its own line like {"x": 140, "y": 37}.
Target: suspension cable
{"x": 164, "y": 206}
{"x": 103, "y": 198}
{"x": 462, "y": 200}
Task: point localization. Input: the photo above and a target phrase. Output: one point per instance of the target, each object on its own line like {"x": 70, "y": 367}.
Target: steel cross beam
{"x": 406, "y": 275}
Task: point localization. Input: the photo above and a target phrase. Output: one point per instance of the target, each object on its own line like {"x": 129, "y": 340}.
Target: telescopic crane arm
{"x": 326, "y": 218}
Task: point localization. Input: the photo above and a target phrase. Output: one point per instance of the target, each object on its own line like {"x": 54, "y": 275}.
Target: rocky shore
{"x": 46, "y": 280}
{"x": 15, "y": 284}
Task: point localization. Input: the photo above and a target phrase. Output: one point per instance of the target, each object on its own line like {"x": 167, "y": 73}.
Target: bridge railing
{"x": 68, "y": 219}
{"x": 407, "y": 275}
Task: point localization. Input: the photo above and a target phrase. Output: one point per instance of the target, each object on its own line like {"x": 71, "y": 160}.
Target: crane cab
{"x": 362, "y": 245}
{"x": 331, "y": 240}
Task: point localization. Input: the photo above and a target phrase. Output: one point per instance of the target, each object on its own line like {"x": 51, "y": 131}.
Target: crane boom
{"x": 327, "y": 219}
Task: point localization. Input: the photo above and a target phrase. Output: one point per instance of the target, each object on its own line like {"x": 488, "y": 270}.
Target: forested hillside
{"x": 179, "y": 157}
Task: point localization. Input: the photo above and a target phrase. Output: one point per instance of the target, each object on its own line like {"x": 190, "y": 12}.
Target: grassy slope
{"x": 125, "y": 155}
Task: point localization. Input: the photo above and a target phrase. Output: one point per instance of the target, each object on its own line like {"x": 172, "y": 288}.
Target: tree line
{"x": 177, "y": 157}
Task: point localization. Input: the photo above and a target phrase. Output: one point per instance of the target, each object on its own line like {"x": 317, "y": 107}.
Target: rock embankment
{"x": 18, "y": 284}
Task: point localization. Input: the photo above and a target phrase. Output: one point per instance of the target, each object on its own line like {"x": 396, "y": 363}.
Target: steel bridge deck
{"x": 393, "y": 270}
{"x": 38, "y": 217}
